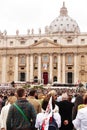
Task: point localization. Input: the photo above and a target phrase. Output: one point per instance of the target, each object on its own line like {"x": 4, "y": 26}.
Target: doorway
{"x": 69, "y": 77}
{"x": 45, "y": 77}
{"x": 22, "y": 76}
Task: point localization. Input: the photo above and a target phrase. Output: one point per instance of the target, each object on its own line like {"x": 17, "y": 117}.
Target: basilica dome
{"x": 63, "y": 23}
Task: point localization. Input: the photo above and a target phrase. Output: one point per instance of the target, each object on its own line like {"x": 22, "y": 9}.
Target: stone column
{"x": 51, "y": 69}
{"x": 39, "y": 68}
{"x": 63, "y": 68}
{"x": 31, "y": 68}
{"x": 16, "y": 68}
{"x": 27, "y": 68}
{"x": 4, "y": 69}
{"x": 75, "y": 69}
{"x": 59, "y": 69}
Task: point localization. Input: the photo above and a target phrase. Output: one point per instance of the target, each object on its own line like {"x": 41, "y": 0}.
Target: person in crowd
{"x": 41, "y": 116}
{"x": 74, "y": 97}
{"x": 84, "y": 101}
{"x": 78, "y": 101}
{"x": 65, "y": 110}
{"x": 0, "y": 121}
{"x": 12, "y": 97}
{"x": 41, "y": 97}
{"x": 1, "y": 102}
{"x": 32, "y": 99}
{"x": 53, "y": 93}
{"x": 4, "y": 111}
{"x": 15, "y": 119}
{"x": 5, "y": 98}
{"x": 80, "y": 122}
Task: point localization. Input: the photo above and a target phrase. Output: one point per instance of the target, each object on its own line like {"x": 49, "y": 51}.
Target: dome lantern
{"x": 63, "y": 10}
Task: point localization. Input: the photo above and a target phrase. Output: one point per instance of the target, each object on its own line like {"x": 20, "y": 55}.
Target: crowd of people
{"x": 25, "y": 109}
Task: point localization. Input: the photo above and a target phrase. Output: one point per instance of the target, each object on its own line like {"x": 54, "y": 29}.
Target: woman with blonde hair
{"x": 5, "y": 109}
{"x": 53, "y": 93}
{"x": 42, "y": 116}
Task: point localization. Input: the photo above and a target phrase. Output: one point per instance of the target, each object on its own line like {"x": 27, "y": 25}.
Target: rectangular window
{"x": 69, "y": 41}
{"x": 35, "y": 41}
{"x": 22, "y": 59}
{"x": 69, "y": 68}
{"x": 45, "y": 58}
{"x": 22, "y": 76}
{"x": 11, "y": 43}
{"x": 55, "y": 66}
{"x": 35, "y": 66}
{"x": 23, "y": 42}
{"x": 55, "y": 41}
{"x": 69, "y": 59}
{"x": 82, "y": 41}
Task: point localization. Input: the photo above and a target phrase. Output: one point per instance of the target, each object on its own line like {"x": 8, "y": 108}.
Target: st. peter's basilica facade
{"x": 60, "y": 54}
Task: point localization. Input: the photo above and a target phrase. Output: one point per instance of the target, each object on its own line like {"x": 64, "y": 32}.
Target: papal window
{"x": 22, "y": 60}
{"x": 69, "y": 59}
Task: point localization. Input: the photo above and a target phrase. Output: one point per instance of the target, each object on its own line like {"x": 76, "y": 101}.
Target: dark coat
{"x": 16, "y": 121}
{"x": 65, "y": 110}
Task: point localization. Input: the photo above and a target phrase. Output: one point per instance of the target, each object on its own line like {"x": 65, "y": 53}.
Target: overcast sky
{"x": 28, "y": 14}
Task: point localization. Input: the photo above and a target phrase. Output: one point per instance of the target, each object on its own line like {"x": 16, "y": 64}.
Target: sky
{"x": 27, "y": 14}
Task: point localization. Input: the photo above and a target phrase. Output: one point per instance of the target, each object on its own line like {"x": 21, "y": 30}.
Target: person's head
{"x": 78, "y": 100}
{"x": 12, "y": 94}
{"x": 33, "y": 92}
{"x": 21, "y": 92}
{"x": 53, "y": 93}
{"x": 12, "y": 99}
{"x": 5, "y": 97}
{"x": 64, "y": 96}
{"x": 85, "y": 98}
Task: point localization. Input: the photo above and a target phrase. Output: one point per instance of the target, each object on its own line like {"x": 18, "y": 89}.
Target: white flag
{"x": 48, "y": 114}
{"x": 49, "y": 107}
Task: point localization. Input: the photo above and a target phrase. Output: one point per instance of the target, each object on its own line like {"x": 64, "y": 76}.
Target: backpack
{"x": 52, "y": 124}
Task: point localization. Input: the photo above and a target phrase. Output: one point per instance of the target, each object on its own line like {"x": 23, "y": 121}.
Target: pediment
{"x": 45, "y": 43}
